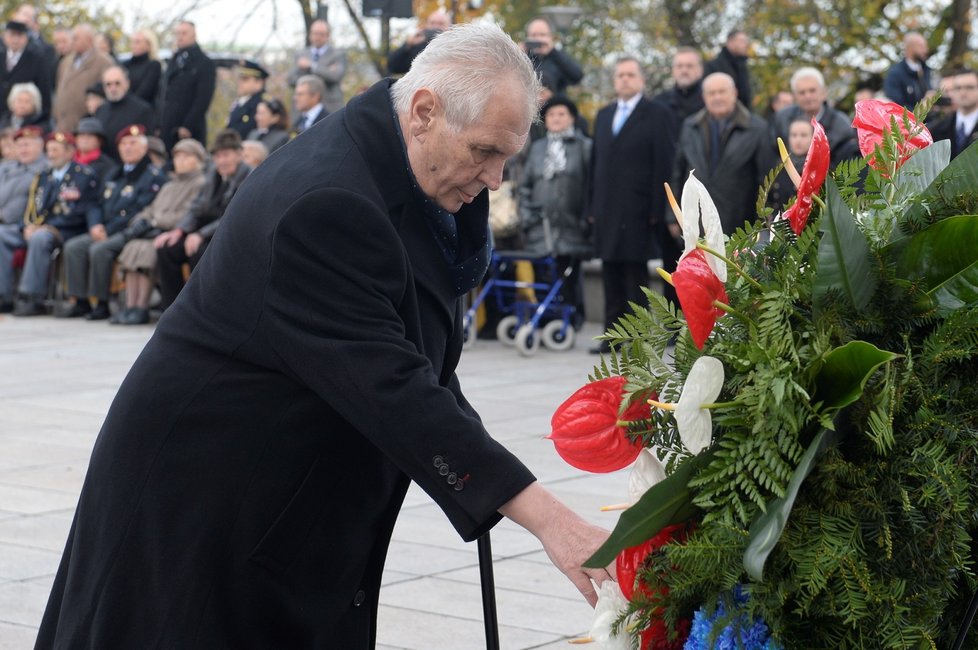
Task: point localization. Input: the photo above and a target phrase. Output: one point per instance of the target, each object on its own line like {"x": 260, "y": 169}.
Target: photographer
{"x": 400, "y": 59}
{"x": 547, "y": 59}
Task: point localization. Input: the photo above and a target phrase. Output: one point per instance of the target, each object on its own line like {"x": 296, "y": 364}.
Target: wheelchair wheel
{"x": 506, "y": 330}
{"x": 527, "y": 340}
{"x": 557, "y": 337}
{"x": 469, "y": 334}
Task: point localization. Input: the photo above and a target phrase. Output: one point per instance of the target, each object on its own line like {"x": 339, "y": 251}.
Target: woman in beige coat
{"x": 138, "y": 258}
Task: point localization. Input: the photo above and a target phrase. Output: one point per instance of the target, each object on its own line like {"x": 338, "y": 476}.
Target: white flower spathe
{"x": 646, "y": 472}
{"x": 611, "y": 604}
{"x": 697, "y": 206}
{"x": 702, "y": 386}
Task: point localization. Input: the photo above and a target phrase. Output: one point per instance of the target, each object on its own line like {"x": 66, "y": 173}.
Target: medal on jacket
{"x": 107, "y": 194}
{"x": 126, "y": 191}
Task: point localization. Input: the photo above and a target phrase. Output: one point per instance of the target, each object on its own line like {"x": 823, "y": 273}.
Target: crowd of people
{"x": 104, "y": 158}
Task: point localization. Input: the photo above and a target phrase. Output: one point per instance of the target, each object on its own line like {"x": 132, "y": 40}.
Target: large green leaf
{"x": 920, "y": 170}
{"x": 766, "y": 531}
{"x": 959, "y": 178}
{"x": 845, "y": 370}
{"x": 844, "y": 262}
{"x": 945, "y": 256}
{"x": 669, "y": 501}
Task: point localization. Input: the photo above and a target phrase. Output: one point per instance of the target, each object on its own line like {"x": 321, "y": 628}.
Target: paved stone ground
{"x": 57, "y": 379}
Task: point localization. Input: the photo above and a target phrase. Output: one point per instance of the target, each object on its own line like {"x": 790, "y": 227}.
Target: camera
{"x": 533, "y": 46}
{"x": 431, "y": 33}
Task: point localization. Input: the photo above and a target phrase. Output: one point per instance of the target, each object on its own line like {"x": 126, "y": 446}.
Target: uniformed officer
{"x": 89, "y": 257}
{"x": 251, "y": 90}
{"x": 17, "y": 175}
{"x": 62, "y": 204}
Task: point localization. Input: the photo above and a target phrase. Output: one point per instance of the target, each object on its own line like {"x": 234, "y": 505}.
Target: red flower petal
{"x": 585, "y": 431}
{"x": 812, "y": 177}
{"x": 874, "y": 118}
{"x": 697, "y": 286}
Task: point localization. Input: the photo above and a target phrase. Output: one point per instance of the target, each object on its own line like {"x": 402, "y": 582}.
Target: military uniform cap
{"x": 248, "y": 68}
{"x": 132, "y": 129}
{"x": 61, "y": 136}
{"x": 29, "y": 132}
{"x": 16, "y": 26}
{"x": 90, "y": 125}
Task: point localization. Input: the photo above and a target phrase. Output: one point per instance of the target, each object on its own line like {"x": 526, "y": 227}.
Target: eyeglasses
{"x": 966, "y": 87}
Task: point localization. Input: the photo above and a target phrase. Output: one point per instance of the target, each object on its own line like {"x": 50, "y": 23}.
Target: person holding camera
{"x": 547, "y": 59}
{"x": 323, "y": 60}
{"x": 399, "y": 61}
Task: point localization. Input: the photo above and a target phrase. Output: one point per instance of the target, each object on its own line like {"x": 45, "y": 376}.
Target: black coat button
{"x": 359, "y": 598}
{"x": 459, "y": 486}
{"x": 443, "y": 470}
{"x": 438, "y": 461}
{"x": 452, "y": 478}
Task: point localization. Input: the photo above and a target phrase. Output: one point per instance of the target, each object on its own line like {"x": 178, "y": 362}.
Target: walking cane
{"x": 488, "y": 593}
{"x": 965, "y": 625}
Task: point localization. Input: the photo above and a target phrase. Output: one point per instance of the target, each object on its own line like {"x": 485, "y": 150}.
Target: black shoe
{"x": 118, "y": 318}
{"x": 601, "y": 348}
{"x": 135, "y": 316}
{"x": 78, "y": 309}
{"x": 101, "y": 312}
{"x": 29, "y": 307}
{"x": 6, "y": 307}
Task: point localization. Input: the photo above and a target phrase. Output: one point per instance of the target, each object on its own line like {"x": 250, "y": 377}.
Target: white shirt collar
{"x": 968, "y": 120}
{"x": 630, "y": 103}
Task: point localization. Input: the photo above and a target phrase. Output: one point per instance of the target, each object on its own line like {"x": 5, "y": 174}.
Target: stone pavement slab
{"x": 57, "y": 379}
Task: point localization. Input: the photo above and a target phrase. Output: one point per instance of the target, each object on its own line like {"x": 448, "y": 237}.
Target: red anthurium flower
{"x": 874, "y": 117}
{"x": 656, "y": 636}
{"x": 586, "y": 429}
{"x": 697, "y": 286}
{"x": 812, "y": 177}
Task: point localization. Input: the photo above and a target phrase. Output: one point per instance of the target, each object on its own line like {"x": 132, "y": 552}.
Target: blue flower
{"x": 739, "y": 633}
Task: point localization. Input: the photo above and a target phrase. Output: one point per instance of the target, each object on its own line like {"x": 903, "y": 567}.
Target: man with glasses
{"x": 308, "y": 98}
{"x": 121, "y": 107}
{"x": 960, "y": 126}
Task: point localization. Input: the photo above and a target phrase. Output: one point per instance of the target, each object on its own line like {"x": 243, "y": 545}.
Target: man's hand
{"x": 303, "y": 63}
{"x": 192, "y": 243}
{"x": 168, "y": 238}
{"x": 97, "y": 232}
{"x": 568, "y": 540}
{"x": 416, "y": 38}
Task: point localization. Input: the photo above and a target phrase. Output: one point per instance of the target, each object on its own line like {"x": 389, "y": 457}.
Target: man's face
{"x": 687, "y": 69}
{"x": 720, "y": 97}
{"x": 115, "y": 84}
{"x": 453, "y": 168}
{"x": 28, "y": 149}
{"x": 81, "y": 40}
{"x": 438, "y": 21}
{"x": 948, "y": 90}
{"x": 249, "y": 85}
{"x": 226, "y": 161}
{"x": 539, "y": 31}
{"x": 59, "y": 153}
{"x": 86, "y": 142}
{"x": 319, "y": 34}
{"x": 966, "y": 92}
{"x": 809, "y": 95}
{"x": 27, "y": 15}
{"x": 558, "y": 119}
{"x": 739, "y": 44}
{"x": 184, "y": 35}
{"x": 132, "y": 149}
{"x": 304, "y": 98}
{"x": 783, "y": 99}
{"x": 139, "y": 44}
{"x": 62, "y": 42}
{"x": 916, "y": 47}
{"x": 15, "y": 41}
{"x": 629, "y": 80}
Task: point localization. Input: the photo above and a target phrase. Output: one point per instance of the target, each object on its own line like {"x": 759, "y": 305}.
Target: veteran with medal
{"x": 251, "y": 90}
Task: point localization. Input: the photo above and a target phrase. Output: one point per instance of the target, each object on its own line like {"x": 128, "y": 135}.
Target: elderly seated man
{"x": 16, "y": 175}
{"x": 89, "y": 257}
{"x": 62, "y": 203}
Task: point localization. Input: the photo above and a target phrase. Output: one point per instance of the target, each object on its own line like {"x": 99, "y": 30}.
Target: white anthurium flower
{"x": 611, "y": 604}
{"x": 646, "y": 472}
{"x": 698, "y": 207}
{"x": 702, "y": 386}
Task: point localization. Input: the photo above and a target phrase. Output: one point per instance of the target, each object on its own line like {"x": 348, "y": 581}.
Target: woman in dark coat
{"x": 24, "y": 103}
{"x": 272, "y": 124}
{"x": 144, "y": 67}
{"x": 552, "y": 193}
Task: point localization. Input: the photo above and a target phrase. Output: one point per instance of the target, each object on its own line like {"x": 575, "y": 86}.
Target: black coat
{"x": 242, "y": 491}
{"x": 32, "y": 67}
{"x": 144, "y": 77}
{"x": 272, "y": 139}
{"x": 683, "y": 101}
{"x": 242, "y": 118}
{"x": 946, "y": 129}
{"x": 628, "y": 201}
{"x": 187, "y": 91}
{"x": 126, "y": 194}
{"x": 904, "y": 86}
{"x": 736, "y": 67}
{"x": 116, "y": 116}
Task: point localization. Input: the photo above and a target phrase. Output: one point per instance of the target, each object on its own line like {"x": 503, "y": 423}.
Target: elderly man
{"x": 729, "y": 149}
{"x": 22, "y": 63}
{"x": 309, "y": 107}
{"x": 253, "y": 464}
{"x": 121, "y": 107}
{"x": 62, "y": 203}
{"x": 75, "y": 74}
{"x": 400, "y": 59}
{"x": 908, "y": 80}
{"x": 323, "y": 60}
{"x": 549, "y": 60}
{"x": 187, "y": 89}
{"x": 686, "y": 95}
{"x": 89, "y": 258}
{"x": 811, "y": 101}
{"x": 16, "y": 175}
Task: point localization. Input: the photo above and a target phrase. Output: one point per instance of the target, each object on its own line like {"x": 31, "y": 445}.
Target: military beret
{"x": 248, "y": 68}
{"x": 16, "y": 26}
{"x": 62, "y": 137}
{"x": 132, "y": 129}
{"x": 29, "y": 132}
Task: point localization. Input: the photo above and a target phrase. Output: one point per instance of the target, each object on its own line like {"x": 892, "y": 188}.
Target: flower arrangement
{"x": 814, "y": 435}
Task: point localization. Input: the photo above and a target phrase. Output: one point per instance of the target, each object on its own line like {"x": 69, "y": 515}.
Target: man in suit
{"x": 27, "y": 14}
{"x": 728, "y": 147}
{"x": 63, "y": 203}
{"x": 121, "y": 107}
{"x": 631, "y": 159}
{"x": 251, "y": 89}
{"x": 732, "y": 60}
{"x": 188, "y": 88}
{"x": 76, "y": 73}
{"x": 686, "y": 95}
{"x": 89, "y": 257}
{"x": 308, "y": 99}
{"x": 325, "y": 61}
{"x": 908, "y": 80}
{"x": 22, "y": 64}
{"x": 960, "y": 126}
{"x": 253, "y": 464}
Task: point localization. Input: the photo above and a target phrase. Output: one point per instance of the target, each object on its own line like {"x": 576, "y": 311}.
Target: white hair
{"x": 806, "y": 73}
{"x": 28, "y": 88}
{"x": 464, "y": 66}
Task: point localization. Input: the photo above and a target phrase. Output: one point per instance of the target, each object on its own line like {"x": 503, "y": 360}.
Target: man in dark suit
{"x": 122, "y": 108}
{"x": 309, "y": 107}
{"x": 908, "y": 80}
{"x": 27, "y": 14}
{"x": 187, "y": 90}
{"x": 243, "y": 489}
{"x": 21, "y": 63}
{"x": 631, "y": 159}
{"x": 961, "y": 126}
{"x": 732, "y": 60}
{"x": 686, "y": 95}
{"x": 251, "y": 89}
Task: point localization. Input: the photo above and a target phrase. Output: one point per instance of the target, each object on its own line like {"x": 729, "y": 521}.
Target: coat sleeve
{"x": 203, "y": 94}
{"x": 338, "y": 275}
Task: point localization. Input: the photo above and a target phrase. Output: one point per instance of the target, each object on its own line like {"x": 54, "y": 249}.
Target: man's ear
{"x": 424, "y": 108}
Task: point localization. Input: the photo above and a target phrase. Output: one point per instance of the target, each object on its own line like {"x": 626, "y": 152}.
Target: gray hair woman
{"x": 24, "y": 102}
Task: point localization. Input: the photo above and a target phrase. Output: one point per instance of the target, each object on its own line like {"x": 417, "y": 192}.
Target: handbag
{"x": 504, "y": 219}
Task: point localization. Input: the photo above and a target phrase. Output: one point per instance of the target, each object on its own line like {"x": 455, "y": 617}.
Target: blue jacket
{"x": 904, "y": 86}
{"x": 125, "y": 194}
{"x": 71, "y": 206}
